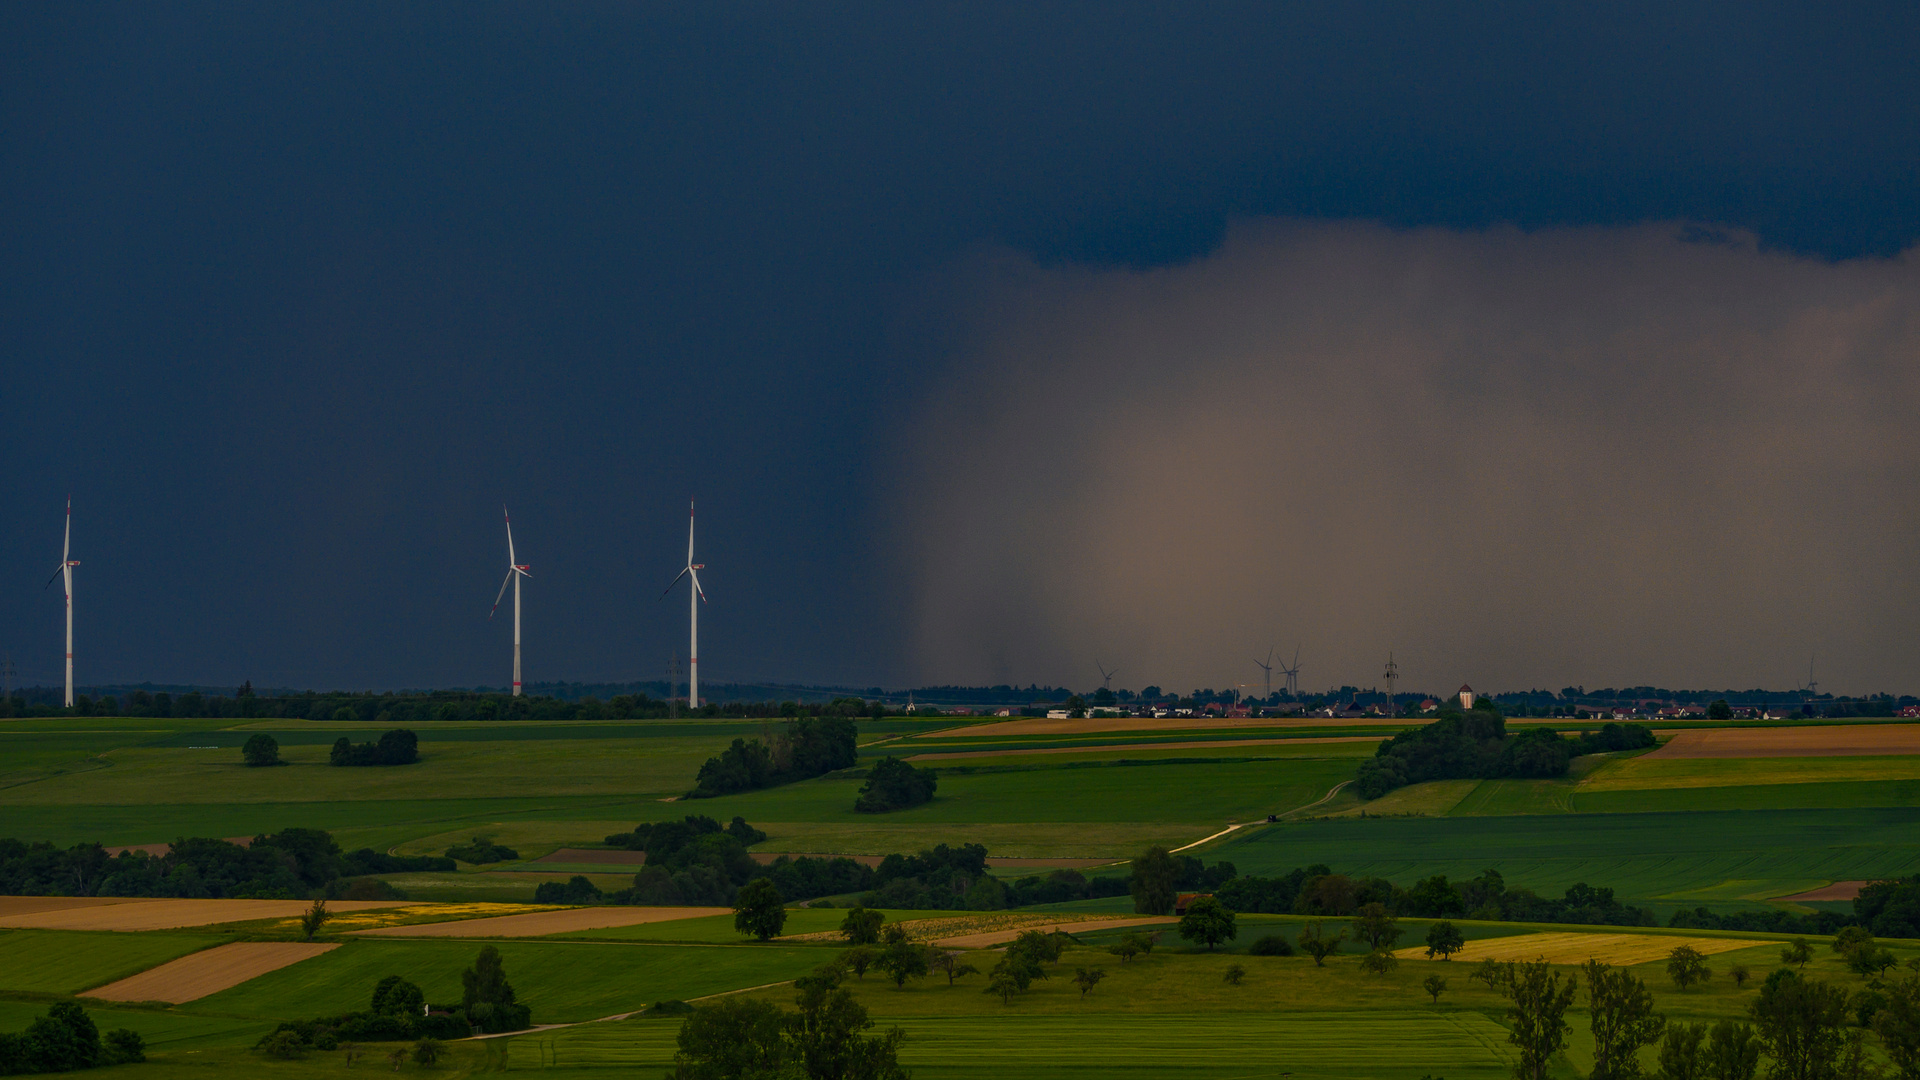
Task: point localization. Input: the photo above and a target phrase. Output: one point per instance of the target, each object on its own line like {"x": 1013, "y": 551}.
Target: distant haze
{"x": 1650, "y": 455}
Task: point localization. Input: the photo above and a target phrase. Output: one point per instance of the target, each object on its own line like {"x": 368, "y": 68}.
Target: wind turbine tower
{"x": 1106, "y": 677}
{"x": 1268, "y": 669}
{"x": 1293, "y": 675}
{"x": 694, "y": 600}
{"x": 515, "y": 571}
{"x": 67, "y": 563}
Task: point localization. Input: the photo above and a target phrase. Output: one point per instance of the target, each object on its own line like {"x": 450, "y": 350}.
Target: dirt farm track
{"x": 1851, "y": 740}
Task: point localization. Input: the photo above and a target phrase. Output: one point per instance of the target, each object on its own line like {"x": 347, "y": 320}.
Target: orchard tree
{"x": 1375, "y": 925}
{"x": 1443, "y": 940}
{"x": 1435, "y": 985}
{"x": 862, "y": 926}
{"x": 1207, "y": 920}
{"x": 1687, "y": 965}
{"x": 1802, "y": 1024}
{"x": 759, "y": 910}
{"x": 1315, "y": 942}
{"x": 262, "y": 749}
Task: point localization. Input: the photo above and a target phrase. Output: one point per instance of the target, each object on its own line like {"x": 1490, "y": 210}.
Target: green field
{"x": 69, "y": 961}
{"x": 1664, "y": 859}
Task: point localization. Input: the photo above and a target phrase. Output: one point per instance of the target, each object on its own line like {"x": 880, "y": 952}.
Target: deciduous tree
{"x": 1538, "y": 1026}
{"x": 1208, "y": 921}
{"x": 1375, "y": 925}
{"x": 862, "y": 926}
{"x": 1152, "y": 882}
{"x": 1801, "y": 1023}
{"x": 1621, "y": 1009}
{"x": 1086, "y": 979}
{"x": 759, "y": 910}
{"x": 1435, "y": 985}
{"x": 1315, "y": 942}
{"x": 1687, "y": 965}
{"x": 1443, "y": 940}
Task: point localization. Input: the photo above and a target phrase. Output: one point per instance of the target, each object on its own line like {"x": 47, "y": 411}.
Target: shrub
{"x": 576, "y": 890}
{"x": 283, "y": 1044}
{"x": 124, "y": 1047}
{"x": 1270, "y": 945}
{"x": 482, "y": 850}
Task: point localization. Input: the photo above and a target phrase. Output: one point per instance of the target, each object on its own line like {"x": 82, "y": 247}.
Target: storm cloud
{"x": 1660, "y": 454}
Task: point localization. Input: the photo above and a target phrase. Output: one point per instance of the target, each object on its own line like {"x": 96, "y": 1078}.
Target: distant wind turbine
{"x": 694, "y": 600}
{"x": 1268, "y": 668}
{"x": 66, "y": 570}
{"x": 1293, "y": 675}
{"x": 1106, "y": 677}
{"x": 515, "y": 571}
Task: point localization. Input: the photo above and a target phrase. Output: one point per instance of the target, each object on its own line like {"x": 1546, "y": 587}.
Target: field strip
{"x": 1846, "y": 740}
{"x": 541, "y": 923}
{"x": 27, "y": 905}
{"x": 1839, "y": 890}
{"x": 1279, "y": 740}
{"x": 594, "y": 855}
{"x": 172, "y": 914}
{"x": 1322, "y": 800}
{"x": 209, "y": 971}
{"x": 1578, "y": 948}
{"x": 1041, "y": 726}
{"x": 1000, "y": 937}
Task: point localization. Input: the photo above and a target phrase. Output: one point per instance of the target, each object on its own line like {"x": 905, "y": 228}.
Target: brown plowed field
{"x": 547, "y": 922}
{"x": 158, "y": 850}
{"x": 595, "y": 855}
{"x": 133, "y": 914}
{"x": 1839, "y": 890}
{"x": 209, "y": 971}
{"x": 1576, "y": 948}
{"x": 1852, "y": 740}
{"x": 1197, "y": 745}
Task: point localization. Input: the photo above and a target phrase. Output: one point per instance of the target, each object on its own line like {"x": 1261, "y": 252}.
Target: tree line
{"x": 808, "y": 747}
{"x": 287, "y": 865}
{"x": 1475, "y": 745}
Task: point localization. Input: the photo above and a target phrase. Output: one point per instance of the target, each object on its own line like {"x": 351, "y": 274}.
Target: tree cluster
{"x": 1475, "y": 745}
{"x": 810, "y": 746}
{"x": 1316, "y": 890}
{"x": 289, "y": 864}
{"x": 398, "y": 1010}
{"x": 1157, "y": 877}
{"x": 64, "y": 1039}
{"x": 396, "y": 747}
{"x": 893, "y": 784}
{"x": 481, "y": 850}
{"x": 941, "y": 877}
{"x": 738, "y": 1037}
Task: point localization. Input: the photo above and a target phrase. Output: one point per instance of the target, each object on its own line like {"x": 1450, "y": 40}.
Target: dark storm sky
{"x": 293, "y": 298}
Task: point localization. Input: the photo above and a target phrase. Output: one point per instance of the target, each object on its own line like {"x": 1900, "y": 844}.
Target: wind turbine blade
{"x": 689, "y": 532}
{"x": 696, "y": 585}
{"x": 502, "y": 593}
{"x": 676, "y": 580}
{"x": 503, "y": 513}
{"x": 54, "y": 578}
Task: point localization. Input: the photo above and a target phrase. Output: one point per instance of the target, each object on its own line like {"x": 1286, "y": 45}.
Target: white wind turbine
{"x": 694, "y": 600}
{"x": 515, "y": 571}
{"x": 66, "y": 570}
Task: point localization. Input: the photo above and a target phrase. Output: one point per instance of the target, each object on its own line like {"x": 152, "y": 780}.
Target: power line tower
{"x": 1393, "y": 673}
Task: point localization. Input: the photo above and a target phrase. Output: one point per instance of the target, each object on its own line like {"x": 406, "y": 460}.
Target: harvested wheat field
{"x": 135, "y": 914}
{"x": 1574, "y": 948}
{"x": 565, "y": 920}
{"x": 594, "y": 855}
{"x": 1839, "y": 890}
{"x": 1850, "y": 740}
{"x": 1108, "y": 748}
{"x": 209, "y": 971}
